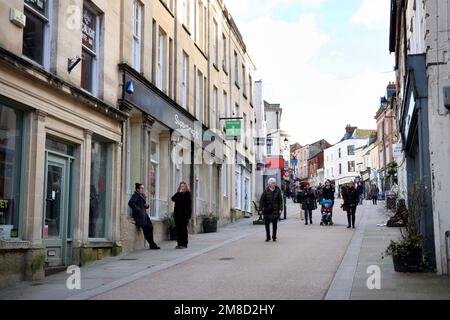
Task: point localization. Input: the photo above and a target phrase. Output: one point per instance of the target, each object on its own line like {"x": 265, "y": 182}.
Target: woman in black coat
{"x": 328, "y": 191}
{"x": 308, "y": 201}
{"x": 182, "y": 214}
{"x": 351, "y": 201}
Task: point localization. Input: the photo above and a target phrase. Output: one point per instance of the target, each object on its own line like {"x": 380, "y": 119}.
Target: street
{"x": 300, "y": 265}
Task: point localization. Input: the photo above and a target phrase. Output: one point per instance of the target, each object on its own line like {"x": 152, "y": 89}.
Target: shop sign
{"x": 397, "y": 150}
{"x": 233, "y": 129}
{"x": 38, "y": 5}
{"x": 88, "y": 29}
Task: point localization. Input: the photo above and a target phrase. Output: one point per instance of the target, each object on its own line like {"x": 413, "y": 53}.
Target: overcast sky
{"x": 325, "y": 61}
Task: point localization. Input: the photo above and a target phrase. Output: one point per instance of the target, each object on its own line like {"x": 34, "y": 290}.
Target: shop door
{"x": 56, "y": 210}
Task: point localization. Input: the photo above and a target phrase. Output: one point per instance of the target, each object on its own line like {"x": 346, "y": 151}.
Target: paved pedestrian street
{"x": 307, "y": 262}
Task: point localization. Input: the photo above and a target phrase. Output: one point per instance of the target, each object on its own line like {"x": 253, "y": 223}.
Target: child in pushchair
{"x": 327, "y": 212}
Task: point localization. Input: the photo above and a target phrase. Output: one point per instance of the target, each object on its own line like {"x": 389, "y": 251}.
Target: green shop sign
{"x": 233, "y": 129}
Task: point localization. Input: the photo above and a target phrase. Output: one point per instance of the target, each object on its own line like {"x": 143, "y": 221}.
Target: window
{"x": 214, "y": 114}
{"x": 153, "y": 180}
{"x": 340, "y": 153}
{"x": 244, "y": 84}
{"x": 36, "y": 32}
{"x": 184, "y": 81}
{"x": 98, "y": 205}
{"x": 224, "y": 53}
{"x": 245, "y": 133}
{"x": 251, "y": 137}
{"x": 161, "y": 63}
{"x": 225, "y": 110}
{"x": 225, "y": 176}
{"x": 351, "y": 150}
{"x": 205, "y": 29}
{"x": 11, "y": 124}
{"x": 90, "y": 43}
{"x": 215, "y": 49}
{"x": 340, "y": 168}
{"x": 184, "y": 12}
{"x": 250, "y": 81}
{"x": 236, "y": 69}
{"x": 199, "y": 96}
{"x": 137, "y": 47}
{"x": 351, "y": 166}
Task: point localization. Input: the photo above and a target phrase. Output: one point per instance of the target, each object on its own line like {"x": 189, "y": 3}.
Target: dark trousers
{"x": 308, "y": 215}
{"x": 182, "y": 233}
{"x": 274, "y": 227}
{"x": 148, "y": 232}
{"x": 351, "y": 215}
{"x": 374, "y": 199}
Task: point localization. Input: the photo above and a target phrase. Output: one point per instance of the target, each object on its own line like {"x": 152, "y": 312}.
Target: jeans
{"x": 351, "y": 215}
{"x": 274, "y": 227}
{"x": 308, "y": 215}
{"x": 148, "y": 232}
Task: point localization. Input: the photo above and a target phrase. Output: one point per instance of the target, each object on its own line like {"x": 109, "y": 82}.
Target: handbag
{"x": 344, "y": 207}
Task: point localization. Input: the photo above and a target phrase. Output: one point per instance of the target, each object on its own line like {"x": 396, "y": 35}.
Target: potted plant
{"x": 209, "y": 223}
{"x": 408, "y": 252}
{"x": 169, "y": 222}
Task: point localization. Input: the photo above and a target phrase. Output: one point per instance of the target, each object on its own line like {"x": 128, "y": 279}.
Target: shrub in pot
{"x": 209, "y": 223}
{"x": 169, "y": 222}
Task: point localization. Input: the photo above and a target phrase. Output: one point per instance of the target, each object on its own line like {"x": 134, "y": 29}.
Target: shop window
{"x": 98, "y": 206}
{"x": 10, "y": 168}
{"x": 153, "y": 180}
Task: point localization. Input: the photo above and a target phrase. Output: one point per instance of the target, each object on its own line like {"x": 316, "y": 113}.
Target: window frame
{"x": 137, "y": 35}
{"x": 94, "y": 54}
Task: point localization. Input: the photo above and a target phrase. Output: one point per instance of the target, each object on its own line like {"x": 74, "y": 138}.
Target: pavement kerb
{"x": 126, "y": 280}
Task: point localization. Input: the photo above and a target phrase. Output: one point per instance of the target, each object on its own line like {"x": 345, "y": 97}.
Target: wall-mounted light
{"x": 129, "y": 87}
{"x": 72, "y": 63}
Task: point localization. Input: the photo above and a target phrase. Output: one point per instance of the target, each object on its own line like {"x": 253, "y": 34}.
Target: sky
{"x": 326, "y": 62}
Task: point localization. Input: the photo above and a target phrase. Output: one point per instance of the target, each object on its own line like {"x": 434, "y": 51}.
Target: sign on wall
{"x": 233, "y": 129}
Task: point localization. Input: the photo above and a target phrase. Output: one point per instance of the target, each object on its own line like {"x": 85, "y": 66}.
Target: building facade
{"x": 98, "y": 95}
{"x": 419, "y": 37}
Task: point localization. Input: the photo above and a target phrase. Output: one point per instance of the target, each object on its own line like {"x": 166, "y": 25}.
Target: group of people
{"x": 182, "y": 214}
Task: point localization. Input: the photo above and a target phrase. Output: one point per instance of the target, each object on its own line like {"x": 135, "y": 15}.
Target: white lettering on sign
{"x": 185, "y": 126}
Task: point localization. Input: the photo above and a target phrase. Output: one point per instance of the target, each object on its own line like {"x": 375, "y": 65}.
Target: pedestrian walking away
{"x": 182, "y": 214}
{"x": 351, "y": 201}
{"x": 308, "y": 201}
{"x": 138, "y": 203}
{"x": 271, "y": 204}
{"x": 360, "y": 191}
{"x": 374, "y": 193}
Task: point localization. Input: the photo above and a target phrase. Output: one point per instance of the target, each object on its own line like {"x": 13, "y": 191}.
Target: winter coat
{"x": 350, "y": 196}
{"x": 271, "y": 203}
{"x": 328, "y": 193}
{"x": 374, "y": 191}
{"x": 183, "y": 207}
{"x": 307, "y": 199}
{"x": 138, "y": 204}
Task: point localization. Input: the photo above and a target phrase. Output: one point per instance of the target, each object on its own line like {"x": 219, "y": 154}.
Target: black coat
{"x": 307, "y": 199}
{"x": 183, "y": 207}
{"x": 350, "y": 196}
{"x": 328, "y": 193}
{"x": 137, "y": 203}
{"x": 271, "y": 203}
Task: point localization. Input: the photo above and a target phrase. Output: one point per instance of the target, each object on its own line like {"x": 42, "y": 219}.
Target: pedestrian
{"x": 287, "y": 192}
{"x": 182, "y": 214}
{"x": 374, "y": 193}
{"x": 328, "y": 192}
{"x": 271, "y": 204}
{"x": 320, "y": 193}
{"x": 360, "y": 190}
{"x": 351, "y": 201}
{"x": 138, "y": 203}
{"x": 307, "y": 199}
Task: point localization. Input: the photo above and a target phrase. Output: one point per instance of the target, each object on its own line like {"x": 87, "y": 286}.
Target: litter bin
{"x": 391, "y": 201}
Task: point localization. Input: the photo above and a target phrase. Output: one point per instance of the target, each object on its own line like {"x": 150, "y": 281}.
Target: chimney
{"x": 350, "y": 129}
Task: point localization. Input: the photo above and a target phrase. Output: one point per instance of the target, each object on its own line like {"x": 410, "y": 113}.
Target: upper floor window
{"x": 215, "y": 44}
{"x": 244, "y": 85}
{"x": 340, "y": 155}
{"x": 137, "y": 35}
{"x": 224, "y": 53}
{"x": 351, "y": 150}
{"x": 90, "y": 49}
{"x": 184, "y": 81}
{"x": 36, "y": 34}
{"x": 236, "y": 69}
{"x": 250, "y": 80}
{"x": 161, "y": 62}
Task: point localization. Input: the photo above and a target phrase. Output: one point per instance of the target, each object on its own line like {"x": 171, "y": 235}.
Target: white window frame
{"x": 199, "y": 95}
{"x": 185, "y": 82}
{"x": 157, "y": 180}
{"x": 225, "y": 104}
{"x": 224, "y": 53}
{"x": 214, "y": 109}
{"x": 225, "y": 177}
{"x": 137, "y": 35}
{"x": 161, "y": 61}
{"x": 236, "y": 68}
{"x": 95, "y": 55}
{"x": 215, "y": 44}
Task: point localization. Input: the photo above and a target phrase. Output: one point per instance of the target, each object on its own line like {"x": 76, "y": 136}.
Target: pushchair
{"x": 327, "y": 213}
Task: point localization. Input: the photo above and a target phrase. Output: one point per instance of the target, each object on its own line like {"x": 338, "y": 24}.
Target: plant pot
{"x": 173, "y": 234}
{"x": 209, "y": 226}
{"x": 411, "y": 262}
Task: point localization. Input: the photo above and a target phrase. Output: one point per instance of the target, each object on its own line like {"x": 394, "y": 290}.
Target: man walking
{"x": 138, "y": 203}
{"x": 374, "y": 193}
{"x": 271, "y": 203}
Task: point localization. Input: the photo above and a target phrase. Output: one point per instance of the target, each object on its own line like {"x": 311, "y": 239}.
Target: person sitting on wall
{"x": 138, "y": 203}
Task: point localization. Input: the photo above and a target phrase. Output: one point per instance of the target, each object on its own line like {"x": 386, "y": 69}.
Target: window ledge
{"x": 99, "y": 243}
{"x": 10, "y": 244}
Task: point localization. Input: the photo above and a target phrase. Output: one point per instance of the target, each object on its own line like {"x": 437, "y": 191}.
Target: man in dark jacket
{"x": 308, "y": 201}
{"x": 271, "y": 204}
{"x": 350, "y": 195}
{"x": 138, "y": 203}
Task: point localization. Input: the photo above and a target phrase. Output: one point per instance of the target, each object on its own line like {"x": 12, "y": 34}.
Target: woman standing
{"x": 351, "y": 201}
{"x": 308, "y": 201}
{"x": 182, "y": 214}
